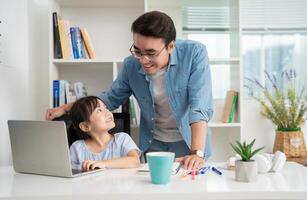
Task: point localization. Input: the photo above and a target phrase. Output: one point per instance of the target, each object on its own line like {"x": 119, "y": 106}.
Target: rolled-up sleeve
{"x": 200, "y": 87}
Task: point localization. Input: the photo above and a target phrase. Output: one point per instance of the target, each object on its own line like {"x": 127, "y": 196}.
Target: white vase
{"x": 246, "y": 171}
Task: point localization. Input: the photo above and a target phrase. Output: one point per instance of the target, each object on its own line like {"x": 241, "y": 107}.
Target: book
{"x": 229, "y": 106}
{"x": 233, "y": 108}
{"x": 68, "y": 39}
{"x": 62, "y": 92}
{"x": 87, "y": 43}
{"x": 56, "y": 37}
{"x": 63, "y": 38}
{"x": 56, "y": 93}
{"x": 80, "y": 90}
{"x": 145, "y": 168}
{"x": 83, "y": 50}
{"x": 132, "y": 111}
{"x": 70, "y": 96}
{"x": 76, "y": 42}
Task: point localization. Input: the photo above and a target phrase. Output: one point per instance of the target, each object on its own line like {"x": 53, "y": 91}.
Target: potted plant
{"x": 283, "y": 102}
{"x": 245, "y": 169}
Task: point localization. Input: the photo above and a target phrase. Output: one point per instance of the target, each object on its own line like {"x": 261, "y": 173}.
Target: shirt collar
{"x": 173, "y": 57}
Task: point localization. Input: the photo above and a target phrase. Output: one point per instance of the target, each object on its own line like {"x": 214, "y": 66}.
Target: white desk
{"x": 126, "y": 184}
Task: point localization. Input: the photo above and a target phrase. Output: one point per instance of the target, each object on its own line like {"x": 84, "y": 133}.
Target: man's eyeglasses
{"x": 148, "y": 56}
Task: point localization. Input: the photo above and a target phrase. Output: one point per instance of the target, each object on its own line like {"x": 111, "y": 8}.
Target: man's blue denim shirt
{"x": 188, "y": 86}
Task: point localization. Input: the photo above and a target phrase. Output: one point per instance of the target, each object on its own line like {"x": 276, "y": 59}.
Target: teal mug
{"x": 160, "y": 166}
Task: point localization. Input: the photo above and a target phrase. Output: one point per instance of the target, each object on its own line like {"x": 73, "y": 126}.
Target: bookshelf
{"x": 108, "y": 24}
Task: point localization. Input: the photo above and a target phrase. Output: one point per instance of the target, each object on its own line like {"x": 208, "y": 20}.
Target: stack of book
{"x": 65, "y": 92}
{"x": 230, "y": 107}
{"x": 71, "y": 42}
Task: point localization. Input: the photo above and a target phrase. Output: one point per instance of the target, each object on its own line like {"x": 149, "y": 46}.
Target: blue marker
{"x": 201, "y": 169}
{"x": 216, "y": 171}
{"x": 204, "y": 169}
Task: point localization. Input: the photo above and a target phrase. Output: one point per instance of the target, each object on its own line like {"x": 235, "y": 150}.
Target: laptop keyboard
{"x": 76, "y": 171}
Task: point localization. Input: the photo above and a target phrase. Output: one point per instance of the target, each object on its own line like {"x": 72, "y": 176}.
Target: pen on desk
{"x": 216, "y": 171}
{"x": 204, "y": 170}
{"x": 178, "y": 168}
{"x": 193, "y": 174}
{"x": 196, "y": 172}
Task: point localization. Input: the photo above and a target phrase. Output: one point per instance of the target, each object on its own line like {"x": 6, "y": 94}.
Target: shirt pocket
{"x": 181, "y": 86}
{"x": 181, "y": 93}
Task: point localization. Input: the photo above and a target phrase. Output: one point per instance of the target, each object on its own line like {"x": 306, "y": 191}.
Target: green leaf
{"x": 256, "y": 151}
{"x": 236, "y": 149}
{"x": 239, "y": 145}
{"x": 252, "y": 143}
{"x": 245, "y": 150}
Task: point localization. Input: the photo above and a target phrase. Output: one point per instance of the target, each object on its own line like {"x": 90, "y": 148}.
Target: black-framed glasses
{"x": 148, "y": 56}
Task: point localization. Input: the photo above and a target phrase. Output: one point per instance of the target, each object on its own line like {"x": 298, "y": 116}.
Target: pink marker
{"x": 193, "y": 174}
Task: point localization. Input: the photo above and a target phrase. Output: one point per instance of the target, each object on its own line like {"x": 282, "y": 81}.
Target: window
{"x": 274, "y": 39}
{"x": 274, "y": 53}
{"x": 209, "y": 24}
{"x": 217, "y": 45}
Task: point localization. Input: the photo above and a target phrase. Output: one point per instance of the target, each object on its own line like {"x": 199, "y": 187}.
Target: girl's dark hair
{"x": 155, "y": 24}
{"x": 81, "y": 112}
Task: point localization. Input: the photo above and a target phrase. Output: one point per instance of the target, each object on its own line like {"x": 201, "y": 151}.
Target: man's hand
{"x": 54, "y": 113}
{"x": 191, "y": 162}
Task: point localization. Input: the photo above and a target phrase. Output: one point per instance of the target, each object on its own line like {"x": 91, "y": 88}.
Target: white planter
{"x": 246, "y": 171}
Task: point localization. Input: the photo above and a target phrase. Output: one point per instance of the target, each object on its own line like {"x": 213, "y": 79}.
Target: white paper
{"x": 145, "y": 168}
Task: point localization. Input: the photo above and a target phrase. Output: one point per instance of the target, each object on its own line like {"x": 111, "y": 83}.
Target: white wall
{"x": 24, "y": 61}
{"x": 38, "y": 31}
{"x": 172, "y": 8}
{"x": 14, "y": 69}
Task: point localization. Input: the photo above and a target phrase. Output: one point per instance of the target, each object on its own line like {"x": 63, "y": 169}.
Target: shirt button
{"x": 152, "y": 131}
{"x": 150, "y": 141}
{"x": 152, "y": 119}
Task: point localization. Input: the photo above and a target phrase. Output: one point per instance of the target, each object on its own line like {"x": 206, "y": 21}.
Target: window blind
{"x": 273, "y": 14}
{"x": 205, "y": 18}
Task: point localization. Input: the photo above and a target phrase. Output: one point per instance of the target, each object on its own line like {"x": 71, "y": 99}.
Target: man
{"x": 171, "y": 81}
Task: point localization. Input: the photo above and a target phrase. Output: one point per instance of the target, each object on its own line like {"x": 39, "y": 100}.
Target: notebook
{"x": 41, "y": 147}
{"x": 145, "y": 168}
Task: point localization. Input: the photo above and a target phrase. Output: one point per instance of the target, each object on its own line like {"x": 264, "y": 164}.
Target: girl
{"x": 99, "y": 149}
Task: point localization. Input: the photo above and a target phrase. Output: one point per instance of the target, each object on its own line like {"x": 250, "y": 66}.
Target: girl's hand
{"x": 58, "y": 112}
{"x": 54, "y": 113}
{"x": 88, "y": 165}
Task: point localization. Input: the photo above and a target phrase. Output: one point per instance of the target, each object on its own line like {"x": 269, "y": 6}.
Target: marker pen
{"x": 216, "y": 171}
{"x": 204, "y": 170}
{"x": 193, "y": 174}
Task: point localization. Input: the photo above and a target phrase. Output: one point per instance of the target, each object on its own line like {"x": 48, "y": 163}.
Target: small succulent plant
{"x": 245, "y": 150}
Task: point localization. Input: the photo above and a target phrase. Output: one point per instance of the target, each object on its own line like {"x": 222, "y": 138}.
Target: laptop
{"x": 41, "y": 147}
